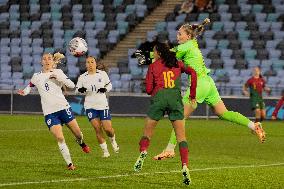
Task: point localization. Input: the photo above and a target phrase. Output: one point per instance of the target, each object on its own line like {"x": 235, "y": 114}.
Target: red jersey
{"x": 160, "y": 77}
{"x": 256, "y": 85}
{"x": 278, "y": 106}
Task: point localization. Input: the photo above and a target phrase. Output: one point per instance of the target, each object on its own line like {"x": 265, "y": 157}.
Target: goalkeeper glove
{"x": 141, "y": 58}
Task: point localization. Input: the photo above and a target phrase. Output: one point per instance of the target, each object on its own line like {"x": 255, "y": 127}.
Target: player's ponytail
{"x": 195, "y": 30}
{"x": 57, "y": 57}
{"x": 168, "y": 57}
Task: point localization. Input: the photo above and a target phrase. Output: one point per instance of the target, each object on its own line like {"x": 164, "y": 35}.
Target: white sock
{"x": 251, "y": 125}
{"x": 65, "y": 152}
{"x": 112, "y": 139}
{"x": 170, "y": 147}
{"x": 104, "y": 147}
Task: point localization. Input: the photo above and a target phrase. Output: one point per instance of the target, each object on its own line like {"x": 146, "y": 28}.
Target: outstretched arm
{"x": 26, "y": 90}
{"x": 61, "y": 77}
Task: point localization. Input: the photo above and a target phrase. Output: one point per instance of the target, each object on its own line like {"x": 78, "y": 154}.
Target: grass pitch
{"x": 222, "y": 155}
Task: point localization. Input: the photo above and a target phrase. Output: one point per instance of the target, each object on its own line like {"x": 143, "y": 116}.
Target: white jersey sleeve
{"x": 108, "y": 84}
{"x": 61, "y": 77}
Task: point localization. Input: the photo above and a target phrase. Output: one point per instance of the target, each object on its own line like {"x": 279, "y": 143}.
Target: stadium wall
{"x": 122, "y": 104}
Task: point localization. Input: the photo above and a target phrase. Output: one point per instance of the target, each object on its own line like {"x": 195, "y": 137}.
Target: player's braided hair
{"x": 195, "y": 30}
{"x": 169, "y": 57}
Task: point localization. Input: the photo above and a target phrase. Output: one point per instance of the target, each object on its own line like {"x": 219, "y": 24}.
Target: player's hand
{"x": 206, "y": 20}
{"x": 273, "y": 117}
{"x": 21, "y": 92}
{"x": 82, "y": 90}
{"x": 245, "y": 93}
{"x": 268, "y": 91}
{"x": 102, "y": 90}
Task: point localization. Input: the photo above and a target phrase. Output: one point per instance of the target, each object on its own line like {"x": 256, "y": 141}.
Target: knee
{"x": 60, "y": 139}
{"x": 109, "y": 131}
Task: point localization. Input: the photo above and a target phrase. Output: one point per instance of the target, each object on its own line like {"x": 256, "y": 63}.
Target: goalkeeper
{"x": 189, "y": 52}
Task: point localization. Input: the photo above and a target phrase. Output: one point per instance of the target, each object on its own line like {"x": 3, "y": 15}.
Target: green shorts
{"x": 257, "y": 103}
{"x": 206, "y": 91}
{"x": 166, "y": 101}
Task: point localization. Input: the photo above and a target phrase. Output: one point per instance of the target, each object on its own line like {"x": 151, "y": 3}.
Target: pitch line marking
{"x": 137, "y": 174}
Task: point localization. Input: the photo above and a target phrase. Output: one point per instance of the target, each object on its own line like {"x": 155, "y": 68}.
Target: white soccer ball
{"x": 78, "y": 46}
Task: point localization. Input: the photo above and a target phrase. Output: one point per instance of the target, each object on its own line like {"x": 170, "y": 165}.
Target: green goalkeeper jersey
{"x": 191, "y": 55}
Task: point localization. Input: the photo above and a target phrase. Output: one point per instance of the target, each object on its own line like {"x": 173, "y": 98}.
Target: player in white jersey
{"x": 56, "y": 109}
{"x": 94, "y": 84}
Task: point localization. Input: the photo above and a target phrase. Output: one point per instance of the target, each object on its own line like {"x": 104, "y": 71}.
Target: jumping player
{"x": 94, "y": 84}
{"x": 206, "y": 91}
{"x": 163, "y": 83}
{"x": 55, "y": 107}
{"x": 256, "y": 84}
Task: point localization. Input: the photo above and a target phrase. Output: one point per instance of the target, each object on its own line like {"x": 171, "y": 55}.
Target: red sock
{"x": 144, "y": 143}
{"x": 183, "y": 150}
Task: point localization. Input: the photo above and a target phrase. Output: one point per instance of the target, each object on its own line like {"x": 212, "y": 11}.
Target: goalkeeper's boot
{"x": 71, "y": 167}
{"x": 139, "y": 163}
{"x": 164, "y": 155}
{"x": 186, "y": 176}
{"x": 259, "y": 132}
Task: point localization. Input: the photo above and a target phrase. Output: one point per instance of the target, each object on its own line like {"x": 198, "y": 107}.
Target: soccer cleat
{"x": 259, "y": 132}
{"x": 86, "y": 149}
{"x": 186, "y": 176}
{"x": 71, "y": 167}
{"x": 106, "y": 154}
{"x": 139, "y": 163}
{"x": 115, "y": 147}
{"x": 164, "y": 155}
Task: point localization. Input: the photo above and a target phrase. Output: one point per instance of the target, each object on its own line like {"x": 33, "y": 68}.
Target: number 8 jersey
{"x": 52, "y": 98}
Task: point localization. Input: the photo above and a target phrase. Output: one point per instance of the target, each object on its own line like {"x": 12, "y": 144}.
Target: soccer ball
{"x": 78, "y": 46}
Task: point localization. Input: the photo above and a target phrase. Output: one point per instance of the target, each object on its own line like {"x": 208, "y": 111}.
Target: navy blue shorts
{"x": 101, "y": 114}
{"x": 61, "y": 117}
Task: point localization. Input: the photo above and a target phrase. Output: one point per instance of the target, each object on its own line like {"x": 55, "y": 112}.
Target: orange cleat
{"x": 86, "y": 149}
{"x": 164, "y": 155}
{"x": 71, "y": 167}
{"x": 259, "y": 132}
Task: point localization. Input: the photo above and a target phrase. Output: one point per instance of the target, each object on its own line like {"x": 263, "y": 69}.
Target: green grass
{"x": 29, "y": 153}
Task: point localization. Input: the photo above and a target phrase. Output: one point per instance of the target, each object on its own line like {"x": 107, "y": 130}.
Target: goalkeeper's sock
{"x": 235, "y": 117}
{"x": 172, "y": 142}
{"x": 104, "y": 147}
{"x": 65, "y": 152}
{"x": 251, "y": 125}
{"x": 183, "y": 150}
{"x": 144, "y": 143}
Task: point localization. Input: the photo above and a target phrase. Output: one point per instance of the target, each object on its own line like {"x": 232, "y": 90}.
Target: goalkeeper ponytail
{"x": 57, "y": 57}
{"x": 195, "y": 30}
